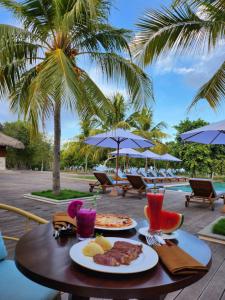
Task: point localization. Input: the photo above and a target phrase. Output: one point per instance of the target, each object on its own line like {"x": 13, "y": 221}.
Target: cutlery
{"x": 151, "y": 241}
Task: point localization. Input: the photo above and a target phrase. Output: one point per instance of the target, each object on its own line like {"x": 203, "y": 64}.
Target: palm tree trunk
{"x": 86, "y": 163}
{"x": 56, "y": 151}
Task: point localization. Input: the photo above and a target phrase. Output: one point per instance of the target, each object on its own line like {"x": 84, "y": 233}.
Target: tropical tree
{"x": 185, "y": 28}
{"x": 37, "y": 152}
{"x": 41, "y": 63}
{"x": 114, "y": 113}
{"x": 143, "y": 125}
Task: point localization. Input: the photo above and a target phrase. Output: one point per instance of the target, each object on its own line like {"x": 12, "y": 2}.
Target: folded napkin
{"x": 177, "y": 261}
{"x": 63, "y": 224}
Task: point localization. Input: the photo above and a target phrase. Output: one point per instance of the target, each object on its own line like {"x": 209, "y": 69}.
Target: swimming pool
{"x": 219, "y": 186}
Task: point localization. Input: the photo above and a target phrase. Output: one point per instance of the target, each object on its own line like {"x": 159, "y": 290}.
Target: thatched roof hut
{"x": 6, "y": 140}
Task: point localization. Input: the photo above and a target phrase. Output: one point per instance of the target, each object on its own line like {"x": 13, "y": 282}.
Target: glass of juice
{"x": 155, "y": 202}
{"x": 85, "y": 223}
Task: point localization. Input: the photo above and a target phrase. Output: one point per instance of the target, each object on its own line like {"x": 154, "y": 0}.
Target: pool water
{"x": 219, "y": 186}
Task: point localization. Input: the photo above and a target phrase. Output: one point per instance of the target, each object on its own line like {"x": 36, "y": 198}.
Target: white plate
{"x": 146, "y": 260}
{"x": 134, "y": 224}
{"x": 144, "y": 231}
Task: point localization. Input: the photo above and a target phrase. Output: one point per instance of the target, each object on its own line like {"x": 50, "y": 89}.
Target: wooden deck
{"x": 14, "y": 184}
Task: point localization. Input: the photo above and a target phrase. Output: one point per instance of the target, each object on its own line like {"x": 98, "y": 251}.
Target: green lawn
{"x": 65, "y": 194}
{"x": 219, "y": 227}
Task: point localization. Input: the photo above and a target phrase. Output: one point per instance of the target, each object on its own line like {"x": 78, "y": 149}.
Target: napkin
{"x": 177, "y": 261}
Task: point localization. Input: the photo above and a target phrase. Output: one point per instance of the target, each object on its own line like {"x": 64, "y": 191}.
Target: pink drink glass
{"x": 155, "y": 201}
{"x": 85, "y": 223}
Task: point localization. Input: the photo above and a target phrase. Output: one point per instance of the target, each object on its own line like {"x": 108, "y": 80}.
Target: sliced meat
{"x": 121, "y": 257}
{"x": 104, "y": 259}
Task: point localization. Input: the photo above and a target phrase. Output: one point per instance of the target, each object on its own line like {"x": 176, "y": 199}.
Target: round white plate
{"x": 146, "y": 260}
{"x": 144, "y": 231}
{"x": 134, "y": 224}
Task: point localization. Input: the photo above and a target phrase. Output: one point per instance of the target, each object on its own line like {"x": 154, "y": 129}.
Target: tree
{"x": 114, "y": 113}
{"x": 195, "y": 157}
{"x": 185, "y": 28}
{"x": 143, "y": 125}
{"x": 40, "y": 64}
{"x": 37, "y": 152}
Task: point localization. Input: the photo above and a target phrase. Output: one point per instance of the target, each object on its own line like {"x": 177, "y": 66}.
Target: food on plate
{"x": 113, "y": 220}
{"x": 169, "y": 220}
{"x": 103, "y": 242}
{"x": 122, "y": 253}
{"x": 92, "y": 248}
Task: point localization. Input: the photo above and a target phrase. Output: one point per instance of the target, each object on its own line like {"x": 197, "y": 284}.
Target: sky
{"x": 175, "y": 79}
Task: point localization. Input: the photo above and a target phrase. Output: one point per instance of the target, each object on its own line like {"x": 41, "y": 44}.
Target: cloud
{"x": 195, "y": 69}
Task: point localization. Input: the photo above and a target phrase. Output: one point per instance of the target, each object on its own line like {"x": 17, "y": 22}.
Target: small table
{"x": 46, "y": 261}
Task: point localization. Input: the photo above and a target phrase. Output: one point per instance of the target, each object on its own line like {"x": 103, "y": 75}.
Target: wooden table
{"x": 45, "y": 260}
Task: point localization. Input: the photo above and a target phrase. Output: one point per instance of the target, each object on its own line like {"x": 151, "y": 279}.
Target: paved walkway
{"x": 14, "y": 184}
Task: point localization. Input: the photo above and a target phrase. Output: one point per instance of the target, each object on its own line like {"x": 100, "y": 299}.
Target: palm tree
{"x": 40, "y": 64}
{"x": 186, "y": 27}
{"x": 88, "y": 127}
{"x": 114, "y": 113}
{"x": 142, "y": 122}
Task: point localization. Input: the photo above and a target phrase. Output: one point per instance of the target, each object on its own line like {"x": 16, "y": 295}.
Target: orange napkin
{"x": 62, "y": 219}
{"x": 177, "y": 261}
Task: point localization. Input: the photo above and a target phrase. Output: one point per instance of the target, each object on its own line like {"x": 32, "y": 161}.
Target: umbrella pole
{"x": 127, "y": 158}
{"x": 146, "y": 164}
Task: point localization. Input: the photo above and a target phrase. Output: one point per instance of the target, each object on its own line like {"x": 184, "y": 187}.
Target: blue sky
{"x": 175, "y": 79}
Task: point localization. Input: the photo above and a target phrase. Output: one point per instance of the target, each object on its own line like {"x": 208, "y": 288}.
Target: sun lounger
{"x": 178, "y": 178}
{"x": 203, "y": 191}
{"x": 104, "y": 181}
{"x": 166, "y": 178}
{"x": 156, "y": 177}
{"x": 138, "y": 183}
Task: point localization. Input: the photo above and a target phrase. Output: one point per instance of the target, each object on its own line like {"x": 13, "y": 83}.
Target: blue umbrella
{"x": 118, "y": 138}
{"x": 128, "y": 152}
{"x": 169, "y": 157}
{"x": 149, "y": 154}
{"x": 210, "y": 134}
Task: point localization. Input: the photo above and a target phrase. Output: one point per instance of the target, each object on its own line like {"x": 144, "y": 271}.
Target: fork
{"x": 151, "y": 241}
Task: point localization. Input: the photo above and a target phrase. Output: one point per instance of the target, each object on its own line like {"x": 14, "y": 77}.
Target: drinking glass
{"x": 155, "y": 201}
{"x": 85, "y": 223}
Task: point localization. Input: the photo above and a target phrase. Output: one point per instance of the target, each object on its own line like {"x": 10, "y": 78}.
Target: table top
{"x": 45, "y": 260}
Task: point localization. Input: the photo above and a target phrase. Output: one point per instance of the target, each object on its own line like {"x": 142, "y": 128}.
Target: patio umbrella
{"x": 149, "y": 154}
{"x": 212, "y": 134}
{"x": 169, "y": 157}
{"x": 118, "y": 138}
{"x": 128, "y": 152}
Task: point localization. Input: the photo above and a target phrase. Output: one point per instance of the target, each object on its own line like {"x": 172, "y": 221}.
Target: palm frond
{"x": 213, "y": 90}
{"x": 117, "y": 68}
{"x": 81, "y": 12}
{"x": 178, "y": 29}
{"x": 101, "y": 36}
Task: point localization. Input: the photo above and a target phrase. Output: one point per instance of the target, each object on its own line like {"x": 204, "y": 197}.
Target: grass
{"x": 219, "y": 227}
{"x": 64, "y": 194}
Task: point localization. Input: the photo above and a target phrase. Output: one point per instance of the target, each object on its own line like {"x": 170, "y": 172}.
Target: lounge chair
{"x": 138, "y": 183}
{"x": 178, "y": 178}
{"x": 104, "y": 181}
{"x": 14, "y": 285}
{"x": 203, "y": 191}
{"x": 155, "y": 176}
{"x": 166, "y": 178}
